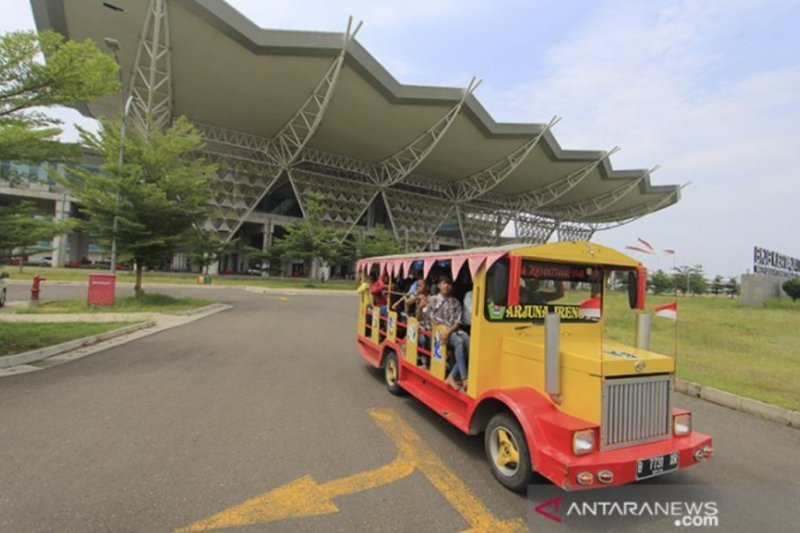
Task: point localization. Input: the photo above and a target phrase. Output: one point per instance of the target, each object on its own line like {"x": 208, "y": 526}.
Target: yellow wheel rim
{"x": 507, "y": 452}
{"x": 391, "y": 372}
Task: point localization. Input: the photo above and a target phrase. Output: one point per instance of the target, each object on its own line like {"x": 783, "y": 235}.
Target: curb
{"x": 300, "y": 292}
{"x": 204, "y": 309}
{"x": 57, "y": 349}
{"x": 785, "y": 417}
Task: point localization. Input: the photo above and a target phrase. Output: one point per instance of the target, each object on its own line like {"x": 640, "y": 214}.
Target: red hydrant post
{"x": 37, "y": 287}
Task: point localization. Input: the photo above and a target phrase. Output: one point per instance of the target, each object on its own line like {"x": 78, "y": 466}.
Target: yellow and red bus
{"x": 552, "y": 396}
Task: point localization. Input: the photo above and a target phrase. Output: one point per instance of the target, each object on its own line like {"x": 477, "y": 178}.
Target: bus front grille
{"x": 635, "y": 410}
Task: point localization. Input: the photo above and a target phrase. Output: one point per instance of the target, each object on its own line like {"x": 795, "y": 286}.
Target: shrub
{"x": 792, "y": 288}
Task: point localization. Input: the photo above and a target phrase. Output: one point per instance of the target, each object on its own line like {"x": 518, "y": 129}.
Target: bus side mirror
{"x": 637, "y": 287}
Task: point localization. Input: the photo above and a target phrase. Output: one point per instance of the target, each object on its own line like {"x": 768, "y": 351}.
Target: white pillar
{"x": 62, "y": 212}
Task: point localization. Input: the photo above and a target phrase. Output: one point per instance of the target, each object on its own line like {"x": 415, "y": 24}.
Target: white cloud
{"x": 664, "y": 83}
{"x": 701, "y": 88}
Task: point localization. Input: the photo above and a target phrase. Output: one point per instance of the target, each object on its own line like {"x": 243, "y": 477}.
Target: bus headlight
{"x": 682, "y": 424}
{"x": 583, "y": 441}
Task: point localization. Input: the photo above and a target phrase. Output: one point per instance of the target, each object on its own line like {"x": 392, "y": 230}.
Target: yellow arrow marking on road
{"x": 306, "y": 497}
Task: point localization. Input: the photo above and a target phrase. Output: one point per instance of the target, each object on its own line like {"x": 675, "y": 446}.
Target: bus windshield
{"x": 572, "y": 291}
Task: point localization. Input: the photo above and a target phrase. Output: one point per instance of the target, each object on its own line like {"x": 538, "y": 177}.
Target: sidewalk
{"x": 249, "y": 288}
{"x": 148, "y": 324}
{"x": 158, "y": 318}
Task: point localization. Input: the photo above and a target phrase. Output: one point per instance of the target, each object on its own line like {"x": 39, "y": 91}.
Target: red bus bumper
{"x": 563, "y": 469}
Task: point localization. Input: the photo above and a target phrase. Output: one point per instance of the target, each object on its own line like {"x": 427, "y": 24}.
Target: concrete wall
{"x": 756, "y": 288}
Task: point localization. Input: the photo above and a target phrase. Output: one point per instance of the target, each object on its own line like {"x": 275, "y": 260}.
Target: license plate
{"x": 655, "y": 466}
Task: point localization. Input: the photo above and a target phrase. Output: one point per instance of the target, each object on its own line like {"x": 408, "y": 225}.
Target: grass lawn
{"x": 159, "y": 303}
{"x": 750, "y": 351}
{"x": 74, "y": 274}
{"x": 16, "y": 337}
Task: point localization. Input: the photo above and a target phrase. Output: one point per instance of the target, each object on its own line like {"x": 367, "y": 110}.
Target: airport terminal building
{"x": 290, "y": 114}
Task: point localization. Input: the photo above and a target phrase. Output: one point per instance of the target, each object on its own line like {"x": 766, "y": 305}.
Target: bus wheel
{"x": 507, "y": 452}
{"x": 391, "y": 372}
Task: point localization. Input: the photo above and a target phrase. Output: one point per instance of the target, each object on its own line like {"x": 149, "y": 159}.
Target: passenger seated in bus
{"x": 422, "y": 291}
{"x": 533, "y": 292}
{"x": 409, "y": 297}
{"x": 466, "y": 319}
{"x": 445, "y": 309}
{"x": 378, "y": 292}
{"x": 423, "y": 339}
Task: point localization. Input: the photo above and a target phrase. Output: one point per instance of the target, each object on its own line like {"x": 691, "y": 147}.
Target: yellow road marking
{"x": 306, "y": 497}
{"x": 440, "y": 476}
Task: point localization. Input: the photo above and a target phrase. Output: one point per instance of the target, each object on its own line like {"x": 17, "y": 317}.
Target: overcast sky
{"x": 709, "y": 90}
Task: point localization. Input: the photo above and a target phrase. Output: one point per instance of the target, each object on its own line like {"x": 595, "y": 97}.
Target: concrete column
{"x": 267, "y": 237}
{"x": 266, "y": 242}
{"x": 179, "y": 261}
{"x": 63, "y": 209}
{"x": 74, "y": 247}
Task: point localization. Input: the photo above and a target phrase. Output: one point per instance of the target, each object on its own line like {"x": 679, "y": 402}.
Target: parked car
{"x": 46, "y": 262}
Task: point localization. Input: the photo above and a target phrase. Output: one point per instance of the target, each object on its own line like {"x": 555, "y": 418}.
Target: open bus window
{"x": 573, "y": 291}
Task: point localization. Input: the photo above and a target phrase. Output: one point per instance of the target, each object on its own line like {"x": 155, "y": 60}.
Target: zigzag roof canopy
{"x": 230, "y": 74}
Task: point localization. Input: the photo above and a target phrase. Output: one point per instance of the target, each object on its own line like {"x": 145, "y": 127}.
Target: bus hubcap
{"x": 391, "y": 372}
{"x": 505, "y": 451}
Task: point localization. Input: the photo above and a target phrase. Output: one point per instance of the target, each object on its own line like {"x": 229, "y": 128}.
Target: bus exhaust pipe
{"x": 643, "y": 331}
{"x": 552, "y": 356}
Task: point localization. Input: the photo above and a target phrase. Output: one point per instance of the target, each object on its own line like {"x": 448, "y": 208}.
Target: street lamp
{"x": 113, "y": 45}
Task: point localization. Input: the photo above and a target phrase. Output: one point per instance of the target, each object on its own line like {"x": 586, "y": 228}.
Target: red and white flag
{"x": 591, "y": 308}
{"x": 667, "y": 310}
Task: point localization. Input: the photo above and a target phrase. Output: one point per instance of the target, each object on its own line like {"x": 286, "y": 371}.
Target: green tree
{"x": 160, "y": 192}
{"x": 690, "y": 279}
{"x": 697, "y": 281}
{"x": 732, "y": 287}
{"x": 792, "y": 288}
{"x": 311, "y": 239}
{"x": 379, "y": 243}
{"x": 662, "y": 282}
{"x": 717, "y": 285}
{"x": 73, "y": 73}
{"x": 21, "y": 228}
{"x": 205, "y": 247}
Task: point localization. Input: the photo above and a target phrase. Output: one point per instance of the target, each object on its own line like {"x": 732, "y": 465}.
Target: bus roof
{"x": 582, "y": 252}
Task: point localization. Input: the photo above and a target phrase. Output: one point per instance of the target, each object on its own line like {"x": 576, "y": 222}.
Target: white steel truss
{"x": 637, "y": 211}
{"x": 575, "y": 232}
{"x": 398, "y": 166}
{"x": 550, "y": 193}
{"x": 415, "y": 217}
{"x": 435, "y": 229}
{"x": 345, "y": 200}
{"x": 236, "y": 140}
{"x": 284, "y": 148}
{"x": 150, "y": 82}
{"x": 482, "y": 182}
{"x": 480, "y": 227}
{"x": 579, "y": 211}
{"x": 336, "y": 161}
{"x": 286, "y": 145}
{"x": 533, "y": 229}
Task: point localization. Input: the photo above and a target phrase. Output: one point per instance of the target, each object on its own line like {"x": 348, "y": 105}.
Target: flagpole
{"x": 650, "y": 250}
{"x": 675, "y": 354}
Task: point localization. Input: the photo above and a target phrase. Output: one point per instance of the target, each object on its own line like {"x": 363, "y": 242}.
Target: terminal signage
{"x": 771, "y": 263}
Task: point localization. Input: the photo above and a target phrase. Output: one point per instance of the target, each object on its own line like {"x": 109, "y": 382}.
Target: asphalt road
{"x": 163, "y": 432}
